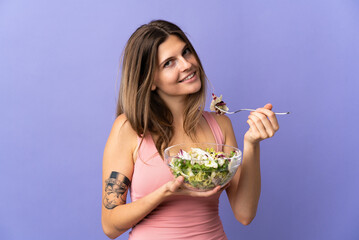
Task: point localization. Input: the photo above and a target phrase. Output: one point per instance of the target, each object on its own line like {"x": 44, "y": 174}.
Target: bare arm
{"x": 244, "y": 190}
{"x": 118, "y": 165}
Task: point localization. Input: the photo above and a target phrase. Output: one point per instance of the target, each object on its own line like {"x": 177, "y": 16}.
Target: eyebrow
{"x": 185, "y": 46}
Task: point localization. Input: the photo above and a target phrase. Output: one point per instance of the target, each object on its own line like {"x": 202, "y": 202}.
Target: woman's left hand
{"x": 263, "y": 124}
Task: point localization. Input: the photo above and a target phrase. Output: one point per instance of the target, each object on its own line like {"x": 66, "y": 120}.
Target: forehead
{"x": 169, "y": 48}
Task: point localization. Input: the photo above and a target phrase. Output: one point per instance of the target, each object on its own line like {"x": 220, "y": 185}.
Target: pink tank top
{"x": 179, "y": 217}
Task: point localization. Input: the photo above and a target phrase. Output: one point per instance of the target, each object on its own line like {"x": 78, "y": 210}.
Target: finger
{"x": 209, "y": 193}
{"x": 202, "y": 194}
{"x": 271, "y": 116}
{"x": 258, "y": 122}
{"x": 225, "y": 186}
{"x": 252, "y": 126}
{"x": 266, "y": 123}
{"x": 176, "y": 184}
{"x": 268, "y": 106}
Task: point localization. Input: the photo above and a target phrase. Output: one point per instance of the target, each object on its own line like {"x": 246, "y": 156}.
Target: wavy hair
{"x": 144, "y": 109}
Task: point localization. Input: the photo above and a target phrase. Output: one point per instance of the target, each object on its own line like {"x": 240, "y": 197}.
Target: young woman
{"x": 161, "y": 103}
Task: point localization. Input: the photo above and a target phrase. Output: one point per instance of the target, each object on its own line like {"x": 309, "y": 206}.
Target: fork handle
{"x": 245, "y": 109}
{"x": 252, "y": 110}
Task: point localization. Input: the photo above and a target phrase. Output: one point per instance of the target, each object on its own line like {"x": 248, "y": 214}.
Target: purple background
{"x": 58, "y": 90}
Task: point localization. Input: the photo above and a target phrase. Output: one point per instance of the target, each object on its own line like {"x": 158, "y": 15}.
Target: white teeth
{"x": 190, "y": 76}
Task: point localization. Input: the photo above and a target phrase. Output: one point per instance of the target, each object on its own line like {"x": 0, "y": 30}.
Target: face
{"x": 177, "y": 73}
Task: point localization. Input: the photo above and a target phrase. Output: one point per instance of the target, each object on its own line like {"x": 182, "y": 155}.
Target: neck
{"x": 176, "y": 106}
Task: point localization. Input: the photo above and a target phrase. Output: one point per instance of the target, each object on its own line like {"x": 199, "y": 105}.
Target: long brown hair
{"x": 144, "y": 109}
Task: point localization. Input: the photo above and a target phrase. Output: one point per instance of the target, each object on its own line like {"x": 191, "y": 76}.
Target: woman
{"x": 160, "y": 104}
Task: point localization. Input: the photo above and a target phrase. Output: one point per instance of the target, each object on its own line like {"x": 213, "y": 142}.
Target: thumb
{"x": 268, "y": 106}
{"x": 177, "y": 183}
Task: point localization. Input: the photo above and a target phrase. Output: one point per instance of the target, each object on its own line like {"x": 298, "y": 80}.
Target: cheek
{"x": 193, "y": 61}
{"x": 166, "y": 78}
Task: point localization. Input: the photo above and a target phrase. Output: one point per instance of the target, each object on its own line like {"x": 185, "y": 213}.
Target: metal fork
{"x": 246, "y": 109}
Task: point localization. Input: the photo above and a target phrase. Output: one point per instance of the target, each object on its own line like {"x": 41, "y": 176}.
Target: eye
{"x": 186, "y": 51}
{"x": 167, "y": 64}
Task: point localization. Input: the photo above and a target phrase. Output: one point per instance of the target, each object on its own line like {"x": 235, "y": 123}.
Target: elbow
{"x": 110, "y": 232}
{"x": 110, "y": 236}
{"x": 245, "y": 219}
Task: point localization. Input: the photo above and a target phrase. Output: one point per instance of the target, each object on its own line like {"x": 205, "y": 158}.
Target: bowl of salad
{"x": 203, "y": 165}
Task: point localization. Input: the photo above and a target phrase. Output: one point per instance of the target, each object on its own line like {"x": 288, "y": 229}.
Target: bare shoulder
{"x": 121, "y": 125}
{"x": 121, "y": 142}
{"x": 223, "y": 120}
{"x": 225, "y": 124}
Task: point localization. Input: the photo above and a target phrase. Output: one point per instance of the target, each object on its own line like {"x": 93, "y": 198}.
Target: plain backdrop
{"x": 59, "y": 62}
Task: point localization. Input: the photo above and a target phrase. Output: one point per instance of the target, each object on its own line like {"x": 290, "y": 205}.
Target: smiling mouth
{"x": 189, "y": 77}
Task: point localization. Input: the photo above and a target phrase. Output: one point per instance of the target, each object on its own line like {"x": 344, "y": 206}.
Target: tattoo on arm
{"x": 115, "y": 191}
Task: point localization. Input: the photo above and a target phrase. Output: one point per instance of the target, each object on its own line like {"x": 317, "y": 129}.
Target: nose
{"x": 184, "y": 64}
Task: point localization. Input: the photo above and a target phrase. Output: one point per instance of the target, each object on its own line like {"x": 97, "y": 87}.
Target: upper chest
{"x": 203, "y": 134}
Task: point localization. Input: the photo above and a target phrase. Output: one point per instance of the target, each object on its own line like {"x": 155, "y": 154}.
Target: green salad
{"x": 204, "y": 169}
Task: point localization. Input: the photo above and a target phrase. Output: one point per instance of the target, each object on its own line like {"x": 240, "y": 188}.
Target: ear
{"x": 153, "y": 87}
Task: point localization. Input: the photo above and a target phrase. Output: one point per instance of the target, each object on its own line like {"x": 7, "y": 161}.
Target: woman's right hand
{"x": 176, "y": 187}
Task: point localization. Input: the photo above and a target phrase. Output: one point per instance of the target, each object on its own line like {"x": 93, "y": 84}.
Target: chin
{"x": 195, "y": 89}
